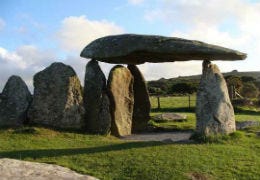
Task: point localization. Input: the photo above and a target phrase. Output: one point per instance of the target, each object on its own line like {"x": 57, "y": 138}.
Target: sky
{"x": 36, "y": 33}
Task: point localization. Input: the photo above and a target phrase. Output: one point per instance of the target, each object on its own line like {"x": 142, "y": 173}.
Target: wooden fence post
{"x": 158, "y": 102}
{"x": 189, "y": 101}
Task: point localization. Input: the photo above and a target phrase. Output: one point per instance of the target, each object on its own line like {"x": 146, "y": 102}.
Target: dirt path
{"x": 161, "y": 136}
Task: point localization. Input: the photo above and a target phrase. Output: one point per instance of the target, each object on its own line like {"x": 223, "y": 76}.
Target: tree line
{"x": 246, "y": 86}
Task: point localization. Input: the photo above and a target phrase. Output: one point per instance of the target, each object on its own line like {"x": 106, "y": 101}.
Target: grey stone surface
{"x": 167, "y": 137}
{"x": 245, "y": 124}
{"x": 137, "y": 49}
{"x": 96, "y": 102}
{"x": 142, "y": 106}
{"x": 57, "y": 100}
{"x": 214, "y": 111}
{"x": 120, "y": 87}
{"x": 170, "y": 117}
{"x": 11, "y": 169}
{"x": 104, "y": 115}
{"x": 14, "y": 103}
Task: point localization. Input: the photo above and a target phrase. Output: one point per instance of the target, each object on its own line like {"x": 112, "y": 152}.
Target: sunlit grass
{"x": 112, "y": 158}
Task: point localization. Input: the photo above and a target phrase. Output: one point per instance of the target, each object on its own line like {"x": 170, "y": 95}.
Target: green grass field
{"x": 236, "y": 157}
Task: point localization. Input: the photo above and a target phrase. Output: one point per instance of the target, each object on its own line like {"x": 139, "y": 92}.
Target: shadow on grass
{"x": 245, "y": 112}
{"x": 237, "y": 110}
{"x": 180, "y": 109}
{"x": 41, "y": 153}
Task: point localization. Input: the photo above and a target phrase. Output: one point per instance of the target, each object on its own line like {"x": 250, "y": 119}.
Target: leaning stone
{"x": 57, "y": 100}
{"x": 138, "y": 49}
{"x": 15, "y": 100}
{"x": 142, "y": 106}
{"x": 120, "y": 87}
{"x": 96, "y": 102}
{"x": 214, "y": 111}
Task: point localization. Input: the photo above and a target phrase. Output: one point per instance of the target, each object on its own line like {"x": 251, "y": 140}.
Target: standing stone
{"x": 214, "y": 111}
{"x": 104, "y": 116}
{"x": 142, "y": 106}
{"x": 96, "y": 102}
{"x": 120, "y": 87}
{"x": 57, "y": 100}
{"x": 15, "y": 100}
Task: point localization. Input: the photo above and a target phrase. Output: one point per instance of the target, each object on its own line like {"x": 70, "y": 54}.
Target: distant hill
{"x": 165, "y": 86}
{"x": 254, "y": 74}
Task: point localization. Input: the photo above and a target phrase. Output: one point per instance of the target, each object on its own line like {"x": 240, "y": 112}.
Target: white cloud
{"x": 2, "y": 24}
{"x": 77, "y": 31}
{"x": 25, "y": 61}
{"x": 226, "y": 23}
{"x": 135, "y": 2}
{"x": 169, "y": 70}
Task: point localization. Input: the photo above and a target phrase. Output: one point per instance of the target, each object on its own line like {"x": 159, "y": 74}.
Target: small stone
{"x": 175, "y": 117}
{"x": 15, "y": 100}
{"x": 214, "y": 111}
{"x": 120, "y": 87}
{"x": 142, "y": 106}
{"x": 138, "y": 49}
{"x": 57, "y": 99}
{"x": 245, "y": 124}
{"x": 96, "y": 101}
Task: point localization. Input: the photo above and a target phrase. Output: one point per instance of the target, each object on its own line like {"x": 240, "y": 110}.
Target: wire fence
{"x": 164, "y": 103}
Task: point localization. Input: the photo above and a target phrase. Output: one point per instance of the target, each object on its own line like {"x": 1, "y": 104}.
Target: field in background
{"x": 180, "y": 104}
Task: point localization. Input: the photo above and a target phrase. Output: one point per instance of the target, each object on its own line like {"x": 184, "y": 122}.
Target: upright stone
{"x": 15, "y": 100}
{"x": 57, "y": 100}
{"x": 120, "y": 87}
{"x": 142, "y": 104}
{"x": 96, "y": 102}
{"x": 214, "y": 111}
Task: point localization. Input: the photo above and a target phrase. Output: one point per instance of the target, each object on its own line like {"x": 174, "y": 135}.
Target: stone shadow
{"x": 42, "y": 153}
{"x": 179, "y": 109}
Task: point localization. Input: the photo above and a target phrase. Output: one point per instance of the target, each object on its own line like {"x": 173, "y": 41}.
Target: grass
{"x": 111, "y": 158}
{"x": 236, "y": 156}
{"x": 174, "y": 102}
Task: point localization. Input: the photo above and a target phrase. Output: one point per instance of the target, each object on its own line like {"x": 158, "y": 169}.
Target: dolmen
{"x": 129, "y": 104}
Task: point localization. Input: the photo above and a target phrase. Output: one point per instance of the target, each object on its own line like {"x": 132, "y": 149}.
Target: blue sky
{"x": 35, "y": 33}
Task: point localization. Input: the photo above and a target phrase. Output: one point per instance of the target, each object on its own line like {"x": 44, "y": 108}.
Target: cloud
{"x": 135, "y": 2}
{"x": 74, "y": 34}
{"x": 25, "y": 61}
{"x": 77, "y": 31}
{"x": 226, "y": 23}
{"x": 2, "y": 24}
{"x": 153, "y": 71}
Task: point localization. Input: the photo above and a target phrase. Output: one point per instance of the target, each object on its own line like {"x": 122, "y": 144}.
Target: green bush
{"x": 184, "y": 88}
{"x": 249, "y": 90}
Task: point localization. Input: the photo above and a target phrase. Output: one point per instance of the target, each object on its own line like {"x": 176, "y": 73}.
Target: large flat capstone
{"x": 138, "y": 49}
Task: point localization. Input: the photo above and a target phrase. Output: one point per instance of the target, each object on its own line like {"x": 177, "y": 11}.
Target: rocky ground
{"x": 11, "y": 169}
